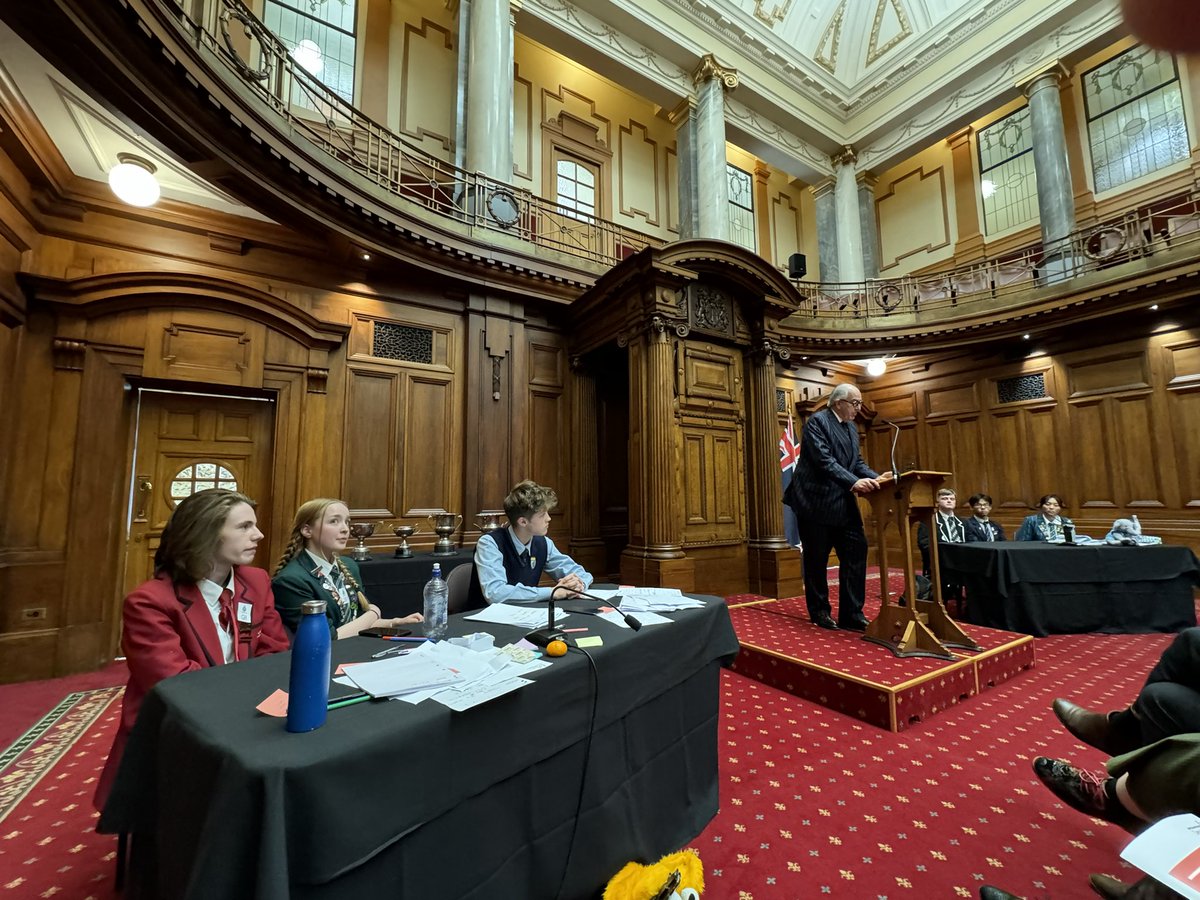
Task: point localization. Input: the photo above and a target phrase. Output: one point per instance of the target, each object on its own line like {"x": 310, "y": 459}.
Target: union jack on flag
{"x": 789, "y": 452}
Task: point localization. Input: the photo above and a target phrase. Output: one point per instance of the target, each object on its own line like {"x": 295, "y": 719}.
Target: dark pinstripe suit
{"x": 827, "y": 513}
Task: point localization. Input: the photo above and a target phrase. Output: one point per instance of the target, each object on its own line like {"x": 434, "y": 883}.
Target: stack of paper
{"x": 521, "y": 616}
{"x": 454, "y": 676}
{"x": 646, "y": 599}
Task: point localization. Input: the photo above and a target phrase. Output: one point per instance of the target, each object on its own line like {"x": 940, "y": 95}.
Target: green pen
{"x": 349, "y": 701}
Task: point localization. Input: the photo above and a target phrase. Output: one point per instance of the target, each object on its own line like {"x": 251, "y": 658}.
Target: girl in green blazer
{"x": 312, "y": 568}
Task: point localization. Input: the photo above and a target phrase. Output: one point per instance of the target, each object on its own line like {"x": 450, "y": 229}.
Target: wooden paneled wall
{"x": 1116, "y": 432}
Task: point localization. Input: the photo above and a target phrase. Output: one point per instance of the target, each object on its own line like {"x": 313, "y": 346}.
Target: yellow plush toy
{"x": 679, "y": 876}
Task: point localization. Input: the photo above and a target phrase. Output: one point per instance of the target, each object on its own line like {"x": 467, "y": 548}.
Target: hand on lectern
{"x": 886, "y": 477}
{"x": 865, "y": 486}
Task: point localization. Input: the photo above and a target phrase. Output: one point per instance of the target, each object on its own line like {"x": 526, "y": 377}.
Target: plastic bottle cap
{"x": 312, "y": 607}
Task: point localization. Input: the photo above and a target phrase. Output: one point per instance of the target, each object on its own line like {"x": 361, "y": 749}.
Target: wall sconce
{"x": 132, "y": 180}
{"x": 876, "y": 367}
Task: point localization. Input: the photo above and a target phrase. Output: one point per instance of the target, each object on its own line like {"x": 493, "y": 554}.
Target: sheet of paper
{"x": 475, "y": 694}
{"x": 521, "y": 616}
{"x": 402, "y": 674}
{"x": 646, "y": 618}
{"x": 1169, "y": 851}
{"x": 275, "y": 705}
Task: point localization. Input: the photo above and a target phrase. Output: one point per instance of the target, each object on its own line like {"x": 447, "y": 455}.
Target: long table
{"x": 395, "y": 584}
{"x": 394, "y": 800}
{"x": 1040, "y": 589}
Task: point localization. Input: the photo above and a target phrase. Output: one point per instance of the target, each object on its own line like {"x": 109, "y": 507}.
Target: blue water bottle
{"x": 308, "y": 686}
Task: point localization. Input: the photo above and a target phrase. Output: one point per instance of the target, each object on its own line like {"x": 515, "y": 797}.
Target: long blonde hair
{"x": 311, "y": 513}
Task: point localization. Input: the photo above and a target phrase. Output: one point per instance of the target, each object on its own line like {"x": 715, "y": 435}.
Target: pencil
{"x": 348, "y": 701}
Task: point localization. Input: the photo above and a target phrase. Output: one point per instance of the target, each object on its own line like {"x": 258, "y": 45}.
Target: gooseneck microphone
{"x": 614, "y": 603}
{"x": 895, "y": 440}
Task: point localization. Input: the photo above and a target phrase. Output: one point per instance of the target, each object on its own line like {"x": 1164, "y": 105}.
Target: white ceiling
{"x": 89, "y": 137}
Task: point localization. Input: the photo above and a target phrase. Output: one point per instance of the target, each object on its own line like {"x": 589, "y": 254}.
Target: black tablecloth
{"x": 1041, "y": 589}
{"x": 391, "y": 799}
{"x": 395, "y": 585}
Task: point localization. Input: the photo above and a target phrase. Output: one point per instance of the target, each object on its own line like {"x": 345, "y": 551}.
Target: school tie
{"x": 228, "y": 620}
{"x": 525, "y": 558}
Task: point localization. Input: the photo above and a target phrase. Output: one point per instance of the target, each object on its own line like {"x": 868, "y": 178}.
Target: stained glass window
{"x": 741, "y": 208}
{"x": 201, "y": 476}
{"x": 320, "y": 34}
{"x": 1006, "y": 177}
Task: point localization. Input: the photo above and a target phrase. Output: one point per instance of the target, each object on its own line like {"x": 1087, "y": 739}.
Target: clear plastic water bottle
{"x": 308, "y": 681}
{"x": 437, "y": 599}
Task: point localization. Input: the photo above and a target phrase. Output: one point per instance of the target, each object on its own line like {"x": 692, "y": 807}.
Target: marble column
{"x": 849, "y": 224}
{"x": 827, "y": 244}
{"x": 683, "y": 117}
{"x": 1056, "y": 201}
{"x": 489, "y": 135}
{"x": 462, "y": 68}
{"x": 866, "y": 219}
{"x": 712, "y": 179}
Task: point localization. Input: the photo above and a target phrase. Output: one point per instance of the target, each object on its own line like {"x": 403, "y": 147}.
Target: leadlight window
{"x": 1135, "y": 116}
{"x": 320, "y": 35}
{"x": 575, "y": 188}
{"x": 1007, "y": 180}
{"x": 741, "y": 208}
{"x": 201, "y": 476}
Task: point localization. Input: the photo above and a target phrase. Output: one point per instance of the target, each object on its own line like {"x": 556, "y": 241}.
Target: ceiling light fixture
{"x": 132, "y": 180}
{"x": 876, "y": 367}
{"x": 1025, "y": 337}
{"x": 366, "y": 256}
{"x": 1154, "y": 306}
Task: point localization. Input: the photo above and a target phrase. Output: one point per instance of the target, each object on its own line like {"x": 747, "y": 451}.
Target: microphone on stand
{"x": 543, "y": 636}
{"x": 615, "y": 604}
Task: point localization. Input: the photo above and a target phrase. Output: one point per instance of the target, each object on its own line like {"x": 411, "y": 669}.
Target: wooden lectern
{"x": 923, "y": 627}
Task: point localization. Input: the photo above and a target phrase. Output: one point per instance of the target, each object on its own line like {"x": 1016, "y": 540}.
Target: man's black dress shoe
{"x": 824, "y": 620}
{"x": 1086, "y": 792}
{"x": 857, "y": 623}
{"x": 1095, "y": 729}
{"x": 987, "y": 892}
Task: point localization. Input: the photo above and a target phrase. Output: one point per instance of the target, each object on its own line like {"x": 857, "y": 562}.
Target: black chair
{"x": 458, "y": 583}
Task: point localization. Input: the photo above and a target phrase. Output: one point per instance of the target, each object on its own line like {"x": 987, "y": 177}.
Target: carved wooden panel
{"x": 1184, "y": 415}
{"x": 545, "y": 364}
{"x": 369, "y": 463}
{"x": 1123, "y": 372}
{"x": 1182, "y": 363}
{"x": 895, "y": 409}
{"x": 1142, "y": 477}
{"x": 548, "y": 441}
{"x": 428, "y": 461}
{"x": 939, "y": 455}
{"x": 1006, "y": 459}
{"x": 711, "y": 375}
{"x": 1091, "y": 441}
{"x": 713, "y": 483}
{"x": 1044, "y": 460}
{"x": 232, "y": 426}
{"x": 952, "y": 399}
{"x": 199, "y": 346}
{"x": 362, "y": 337}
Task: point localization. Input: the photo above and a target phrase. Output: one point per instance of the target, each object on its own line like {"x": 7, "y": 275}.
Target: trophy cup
{"x": 488, "y": 522}
{"x": 362, "y": 531}
{"x": 404, "y": 532}
{"x": 444, "y": 524}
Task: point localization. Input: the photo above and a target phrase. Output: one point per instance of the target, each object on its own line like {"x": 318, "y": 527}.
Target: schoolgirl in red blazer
{"x": 204, "y": 607}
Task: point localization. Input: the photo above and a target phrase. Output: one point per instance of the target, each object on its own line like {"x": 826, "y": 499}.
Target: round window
{"x": 201, "y": 476}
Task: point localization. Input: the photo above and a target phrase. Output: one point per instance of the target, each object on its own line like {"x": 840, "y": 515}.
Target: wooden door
{"x": 187, "y": 443}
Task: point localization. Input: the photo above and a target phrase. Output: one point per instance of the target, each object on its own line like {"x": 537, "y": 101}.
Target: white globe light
{"x": 876, "y": 367}
{"x": 132, "y": 180}
{"x": 308, "y": 56}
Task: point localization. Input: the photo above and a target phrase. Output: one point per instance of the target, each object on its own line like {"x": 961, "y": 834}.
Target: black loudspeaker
{"x": 797, "y": 265}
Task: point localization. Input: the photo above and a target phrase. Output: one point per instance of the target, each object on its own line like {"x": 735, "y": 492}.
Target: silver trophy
{"x": 444, "y": 524}
{"x": 488, "y": 522}
{"x": 404, "y": 532}
{"x": 362, "y": 531}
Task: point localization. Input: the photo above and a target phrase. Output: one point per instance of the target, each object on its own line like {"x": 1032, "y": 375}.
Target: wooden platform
{"x": 841, "y": 671}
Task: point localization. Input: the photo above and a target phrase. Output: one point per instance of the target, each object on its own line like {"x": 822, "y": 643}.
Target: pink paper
{"x": 275, "y": 705}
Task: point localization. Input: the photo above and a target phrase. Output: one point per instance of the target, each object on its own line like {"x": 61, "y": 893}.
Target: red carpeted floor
{"x": 813, "y": 803}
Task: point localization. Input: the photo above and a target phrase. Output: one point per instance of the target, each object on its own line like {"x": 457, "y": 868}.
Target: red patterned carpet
{"x": 813, "y": 803}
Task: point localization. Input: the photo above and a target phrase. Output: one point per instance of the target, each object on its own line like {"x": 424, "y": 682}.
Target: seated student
{"x": 1045, "y": 525}
{"x": 204, "y": 606}
{"x": 979, "y": 526}
{"x": 950, "y": 530}
{"x": 509, "y": 562}
{"x": 312, "y": 568}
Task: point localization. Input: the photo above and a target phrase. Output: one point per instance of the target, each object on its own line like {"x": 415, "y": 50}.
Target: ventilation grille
{"x": 1021, "y": 387}
{"x": 402, "y": 343}
{"x": 780, "y": 400}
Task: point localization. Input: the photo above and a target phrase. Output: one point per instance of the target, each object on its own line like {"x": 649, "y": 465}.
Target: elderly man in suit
{"x": 829, "y": 477}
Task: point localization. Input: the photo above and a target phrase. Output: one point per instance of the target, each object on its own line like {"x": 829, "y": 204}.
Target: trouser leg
{"x": 851, "y": 545}
{"x": 1164, "y": 709}
{"x": 815, "y": 539}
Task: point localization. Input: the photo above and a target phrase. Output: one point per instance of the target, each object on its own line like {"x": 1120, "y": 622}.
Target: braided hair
{"x": 311, "y": 513}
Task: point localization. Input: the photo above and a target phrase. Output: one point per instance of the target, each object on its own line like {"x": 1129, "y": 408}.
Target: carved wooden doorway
{"x": 188, "y": 442}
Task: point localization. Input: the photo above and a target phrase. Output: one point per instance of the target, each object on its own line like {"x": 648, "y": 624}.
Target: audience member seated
{"x": 1046, "y": 525}
{"x": 312, "y": 568}
{"x": 950, "y": 530}
{"x": 509, "y": 561}
{"x": 205, "y": 605}
{"x": 979, "y": 527}
{"x": 1168, "y": 704}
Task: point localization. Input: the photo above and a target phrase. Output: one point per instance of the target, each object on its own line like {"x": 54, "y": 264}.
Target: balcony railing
{"x": 1139, "y": 235}
{"x": 263, "y": 62}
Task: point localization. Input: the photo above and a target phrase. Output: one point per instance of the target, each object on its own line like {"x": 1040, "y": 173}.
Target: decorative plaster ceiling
{"x": 89, "y": 137}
